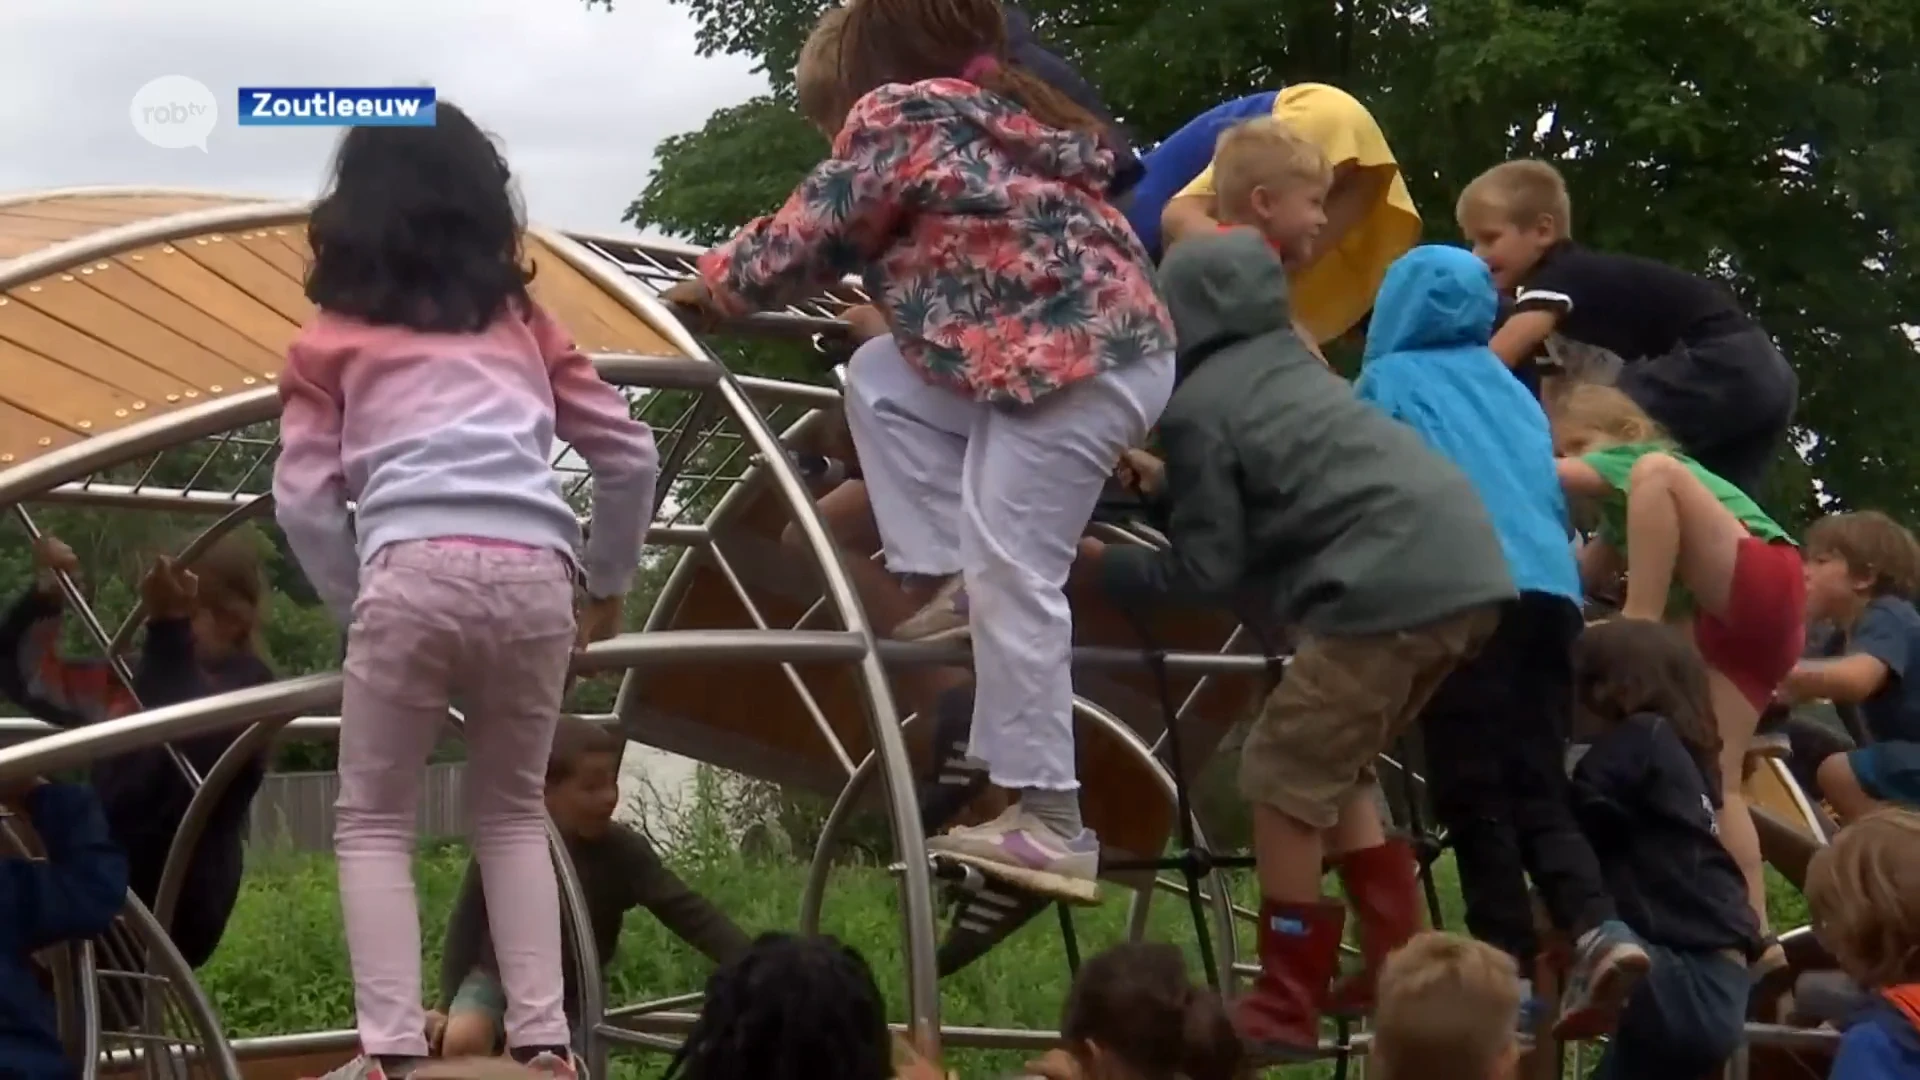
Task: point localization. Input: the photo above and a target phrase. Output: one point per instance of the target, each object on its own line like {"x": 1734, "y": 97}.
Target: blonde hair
{"x": 1863, "y": 891}
{"x": 818, "y": 86}
{"x": 1518, "y": 193}
{"x": 1601, "y": 416}
{"x": 1874, "y": 546}
{"x": 1448, "y": 1009}
{"x": 1264, "y": 152}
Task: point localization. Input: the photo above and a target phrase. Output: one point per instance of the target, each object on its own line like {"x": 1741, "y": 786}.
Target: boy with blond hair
{"x": 1863, "y": 892}
{"x": 1691, "y": 358}
{"x": 1449, "y": 1010}
{"x": 1270, "y": 178}
{"x": 1862, "y": 569}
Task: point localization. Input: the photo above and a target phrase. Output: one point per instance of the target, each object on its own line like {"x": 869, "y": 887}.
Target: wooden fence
{"x": 294, "y": 811}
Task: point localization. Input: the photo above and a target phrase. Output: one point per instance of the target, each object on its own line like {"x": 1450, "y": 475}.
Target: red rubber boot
{"x": 1299, "y": 952}
{"x": 1383, "y": 885}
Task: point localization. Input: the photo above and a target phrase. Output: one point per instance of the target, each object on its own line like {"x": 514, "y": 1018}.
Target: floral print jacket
{"x": 981, "y": 232}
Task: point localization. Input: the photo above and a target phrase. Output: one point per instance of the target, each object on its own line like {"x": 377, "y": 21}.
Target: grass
{"x": 283, "y": 965}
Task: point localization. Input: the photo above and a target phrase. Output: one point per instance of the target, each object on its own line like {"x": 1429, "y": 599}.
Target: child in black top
{"x": 202, "y": 638}
{"x": 1646, "y": 792}
{"x": 1134, "y": 1012}
{"x": 73, "y": 895}
{"x": 1692, "y": 359}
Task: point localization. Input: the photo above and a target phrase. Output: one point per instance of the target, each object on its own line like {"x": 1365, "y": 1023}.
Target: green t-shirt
{"x": 1615, "y": 463}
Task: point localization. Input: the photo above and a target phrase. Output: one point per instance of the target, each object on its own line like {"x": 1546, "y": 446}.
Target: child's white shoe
{"x": 1019, "y": 848}
{"x": 945, "y": 618}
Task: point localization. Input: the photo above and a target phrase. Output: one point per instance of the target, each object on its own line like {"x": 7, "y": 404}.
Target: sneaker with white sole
{"x": 562, "y": 1068}
{"x": 1608, "y": 963}
{"x": 1022, "y": 850}
{"x": 944, "y": 618}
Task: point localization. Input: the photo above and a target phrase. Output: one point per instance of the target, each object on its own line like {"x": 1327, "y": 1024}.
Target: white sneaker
{"x": 1022, "y": 850}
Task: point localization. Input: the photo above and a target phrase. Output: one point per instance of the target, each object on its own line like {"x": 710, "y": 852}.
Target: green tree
{"x": 1767, "y": 143}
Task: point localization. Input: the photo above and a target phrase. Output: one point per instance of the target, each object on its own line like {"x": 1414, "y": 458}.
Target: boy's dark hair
{"x": 789, "y": 1008}
{"x": 1137, "y": 1002}
{"x": 575, "y": 737}
{"x": 1627, "y": 666}
{"x": 232, "y": 581}
{"x": 419, "y": 228}
{"x": 906, "y": 41}
{"x": 1874, "y": 547}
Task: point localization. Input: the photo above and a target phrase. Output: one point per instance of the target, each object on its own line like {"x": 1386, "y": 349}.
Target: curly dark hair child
{"x": 420, "y": 228}
{"x": 1133, "y": 1011}
{"x": 1626, "y": 666}
{"x": 791, "y": 1008}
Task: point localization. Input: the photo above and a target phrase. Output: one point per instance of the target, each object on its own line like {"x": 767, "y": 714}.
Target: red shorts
{"x": 1760, "y": 637}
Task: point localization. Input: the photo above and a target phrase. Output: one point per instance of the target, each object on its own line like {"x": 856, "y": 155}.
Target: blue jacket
{"x": 1881, "y": 1043}
{"x": 1427, "y": 365}
{"x": 72, "y": 896}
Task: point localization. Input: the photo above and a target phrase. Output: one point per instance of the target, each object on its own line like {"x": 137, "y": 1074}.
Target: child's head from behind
{"x": 1590, "y": 416}
{"x": 230, "y": 599}
{"x": 583, "y": 777}
{"x": 1853, "y": 558}
{"x": 908, "y": 41}
{"x": 1624, "y": 667}
{"x": 1134, "y": 1014}
{"x": 1512, "y": 214}
{"x": 419, "y": 228}
{"x": 1863, "y": 892}
{"x": 1268, "y": 175}
{"x": 818, "y": 87}
{"x": 1448, "y": 1009}
{"x": 790, "y": 1008}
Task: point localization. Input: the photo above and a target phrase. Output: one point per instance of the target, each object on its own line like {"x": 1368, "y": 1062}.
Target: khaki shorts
{"x": 1342, "y": 703}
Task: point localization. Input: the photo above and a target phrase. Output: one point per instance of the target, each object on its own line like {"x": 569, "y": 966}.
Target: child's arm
{"x": 1580, "y": 480}
{"x": 33, "y": 674}
{"x": 309, "y": 480}
{"x": 1206, "y": 556}
{"x": 1877, "y": 655}
{"x": 80, "y": 887}
{"x": 1610, "y": 781}
{"x": 466, "y": 935}
{"x": 692, "y": 917}
{"x": 840, "y": 218}
{"x": 595, "y": 419}
{"x": 1521, "y": 336}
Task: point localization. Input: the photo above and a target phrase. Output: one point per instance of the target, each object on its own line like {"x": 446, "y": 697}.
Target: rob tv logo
{"x": 174, "y": 112}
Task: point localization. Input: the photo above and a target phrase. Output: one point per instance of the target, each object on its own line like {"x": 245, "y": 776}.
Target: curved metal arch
{"x": 124, "y": 191}
{"x": 114, "y": 239}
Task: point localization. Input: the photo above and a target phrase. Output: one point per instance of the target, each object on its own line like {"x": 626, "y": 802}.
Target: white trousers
{"x": 1000, "y": 496}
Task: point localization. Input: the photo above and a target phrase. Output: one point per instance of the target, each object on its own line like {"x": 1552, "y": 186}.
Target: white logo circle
{"x": 174, "y": 112}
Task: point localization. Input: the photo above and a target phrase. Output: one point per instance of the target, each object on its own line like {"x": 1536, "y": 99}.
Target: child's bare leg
{"x": 1360, "y": 827}
{"x": 1736, "y": 718}
{"x": 1676, "y": 528}
{"x": 1287, "y": 856}
{"x": 1842, "y": 790}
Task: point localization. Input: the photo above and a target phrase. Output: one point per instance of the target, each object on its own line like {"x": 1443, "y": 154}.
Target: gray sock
{"x": 1060, "y": 810}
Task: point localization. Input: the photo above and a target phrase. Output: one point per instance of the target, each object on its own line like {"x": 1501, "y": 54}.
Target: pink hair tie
{"x": 980, "y": 68}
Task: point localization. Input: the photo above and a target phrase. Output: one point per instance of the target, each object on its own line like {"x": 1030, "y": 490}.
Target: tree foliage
{"x": 1768, "y": 143}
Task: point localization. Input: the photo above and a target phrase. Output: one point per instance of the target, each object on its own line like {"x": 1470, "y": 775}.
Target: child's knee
{"x": 1840, "y": 786}
{"x": 470, "y": 1033}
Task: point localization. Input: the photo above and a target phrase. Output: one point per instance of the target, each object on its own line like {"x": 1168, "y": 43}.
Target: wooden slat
{"x": 213, "y": 294}
{"x": 12, "y": 224}
{"x": 72, "y": 210}
{"x": 163, "y": 307}
{"x": 38, "y": 332}
{"x": 24, "y": 436}
{"x": 146, "y": 207}
{"x": 281, "y": 255}
{"x": 14, "y": 246}
{"x": 597, "y": 321}
{"x": 258, "y": 277}
{"x": 71, "y": 299}
{"x": 62, "y": 396}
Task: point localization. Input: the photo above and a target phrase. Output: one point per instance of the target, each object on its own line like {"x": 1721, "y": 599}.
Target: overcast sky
{"x": 580, "y": 98}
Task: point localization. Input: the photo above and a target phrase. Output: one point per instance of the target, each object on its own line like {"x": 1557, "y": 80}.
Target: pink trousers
{"x": 487, "y": 630}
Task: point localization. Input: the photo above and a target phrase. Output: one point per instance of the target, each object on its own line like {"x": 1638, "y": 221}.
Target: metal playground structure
{"x": 141, "y": 332}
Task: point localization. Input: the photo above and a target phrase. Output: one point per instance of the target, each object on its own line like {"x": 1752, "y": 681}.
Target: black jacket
{"x": 1648, "y": 811}
{"x": 144, "y": 794}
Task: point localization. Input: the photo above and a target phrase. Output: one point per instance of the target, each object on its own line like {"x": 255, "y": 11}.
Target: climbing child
{"x": 428, "y": 391}
{"x": 1862, "y": 568}
{"x": 1740, "y": 582}
{"x": 1496, "y": 730}
{"x": 73, "y": 894}
{"x": 618, "y": 871}
{"x": 1863, "y": 892}
{"x": 1286, "y": 492}
{"x": 1134, "y": 1012}
{"x": 988, "y": 422}
{"x": 1371, "y": 219}
{"x": 202, "y": 637}
{"x": 1647, "y": 793}
{"x": 789, "y": 1008}
{"x": 1449, "y": 1009}
{"x": 1693, "y": 360}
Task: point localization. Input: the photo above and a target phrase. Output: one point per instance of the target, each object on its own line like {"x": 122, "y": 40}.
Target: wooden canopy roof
{"x": 120, "y": 305}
